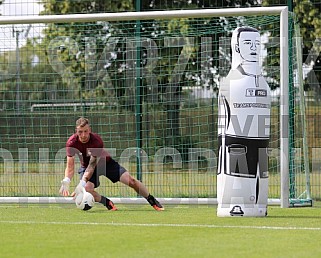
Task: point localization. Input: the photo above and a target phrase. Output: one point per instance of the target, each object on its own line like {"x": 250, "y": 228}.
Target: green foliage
{"x": 307, "y": 14}
{"x": 194, "y": 4}
{"x": 77, "y": 63}
{"x": 71, "y": 60}
{"x": 85, "y": 6}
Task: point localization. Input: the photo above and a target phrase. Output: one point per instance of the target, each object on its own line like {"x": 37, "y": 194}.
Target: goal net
{"x": 148, "y": 82}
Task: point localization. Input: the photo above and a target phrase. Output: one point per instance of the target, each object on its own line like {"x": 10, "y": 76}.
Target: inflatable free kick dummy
{"x": 243, "y": 131}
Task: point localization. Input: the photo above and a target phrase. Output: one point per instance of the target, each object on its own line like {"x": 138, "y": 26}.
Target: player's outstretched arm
{"x": 69, "y": 173}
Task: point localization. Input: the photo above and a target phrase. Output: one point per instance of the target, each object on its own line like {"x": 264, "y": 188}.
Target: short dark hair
{"x": 242, "y": 29}
{"x": 81, "y": 122}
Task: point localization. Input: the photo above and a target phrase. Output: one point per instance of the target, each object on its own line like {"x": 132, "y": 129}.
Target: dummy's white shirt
{"x": 245, "y": 97}
{"x": 244, "y": 106}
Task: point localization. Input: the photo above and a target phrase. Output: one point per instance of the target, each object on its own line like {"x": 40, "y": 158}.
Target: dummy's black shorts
{"x": 105, "y": 167}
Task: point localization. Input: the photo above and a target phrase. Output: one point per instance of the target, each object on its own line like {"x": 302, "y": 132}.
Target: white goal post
{"x": 282, "y": 11}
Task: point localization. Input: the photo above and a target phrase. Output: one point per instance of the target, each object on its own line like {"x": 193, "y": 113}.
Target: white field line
{"x": 157, "y": 225}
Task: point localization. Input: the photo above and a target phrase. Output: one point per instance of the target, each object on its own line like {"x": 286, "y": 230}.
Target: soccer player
{"x": 95, "y": 161}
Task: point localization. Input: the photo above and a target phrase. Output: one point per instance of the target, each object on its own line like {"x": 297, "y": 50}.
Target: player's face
{"x": 249, "y": 46}
{"x": 83, "y": 133}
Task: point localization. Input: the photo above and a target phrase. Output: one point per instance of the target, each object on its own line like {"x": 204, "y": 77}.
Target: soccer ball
{"x": 85, "y": 201}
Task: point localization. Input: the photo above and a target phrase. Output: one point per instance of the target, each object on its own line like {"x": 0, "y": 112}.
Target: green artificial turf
{"x": 139, "y": 231}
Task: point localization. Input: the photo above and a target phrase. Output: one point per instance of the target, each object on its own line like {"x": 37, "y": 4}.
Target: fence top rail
{"x": 147, "y": 15}
{"x": 74, "y": 105}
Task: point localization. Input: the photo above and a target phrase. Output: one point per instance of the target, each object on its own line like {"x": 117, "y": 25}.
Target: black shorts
{"x": 105, "y": 167}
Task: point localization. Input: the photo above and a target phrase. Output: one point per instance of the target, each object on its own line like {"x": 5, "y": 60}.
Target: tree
{"x": 75, "y": 50}
{"x": 82, "y": 53}
{"x": 307, "y": 14}
{"x": 195, "y": 72}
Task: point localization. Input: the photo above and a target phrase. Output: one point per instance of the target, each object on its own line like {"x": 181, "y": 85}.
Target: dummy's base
{"x": 237, "y": 210}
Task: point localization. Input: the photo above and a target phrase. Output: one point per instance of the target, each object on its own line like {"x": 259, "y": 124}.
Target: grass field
{"x": 139, "y": 231}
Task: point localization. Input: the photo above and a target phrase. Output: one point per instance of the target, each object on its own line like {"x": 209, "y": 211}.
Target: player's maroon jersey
{"x": 94, "y": 147}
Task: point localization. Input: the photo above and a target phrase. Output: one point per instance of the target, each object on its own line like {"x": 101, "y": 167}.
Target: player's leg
{"x": 138, "y": 186}
{"x": 141, "y": 189}
{"x": 115, "y": 172}
{"x": 90, "y": 188}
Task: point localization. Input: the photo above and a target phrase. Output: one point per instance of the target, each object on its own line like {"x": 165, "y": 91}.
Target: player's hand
{"x": 64, "y": 189}
{"x": 80, "y": 188}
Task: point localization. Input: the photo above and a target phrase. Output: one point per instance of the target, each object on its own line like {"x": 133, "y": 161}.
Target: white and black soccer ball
{"x": 85, "y": 201}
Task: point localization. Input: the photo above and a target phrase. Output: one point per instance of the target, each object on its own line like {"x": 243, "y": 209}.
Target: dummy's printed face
{"x": 249, "y": 46}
